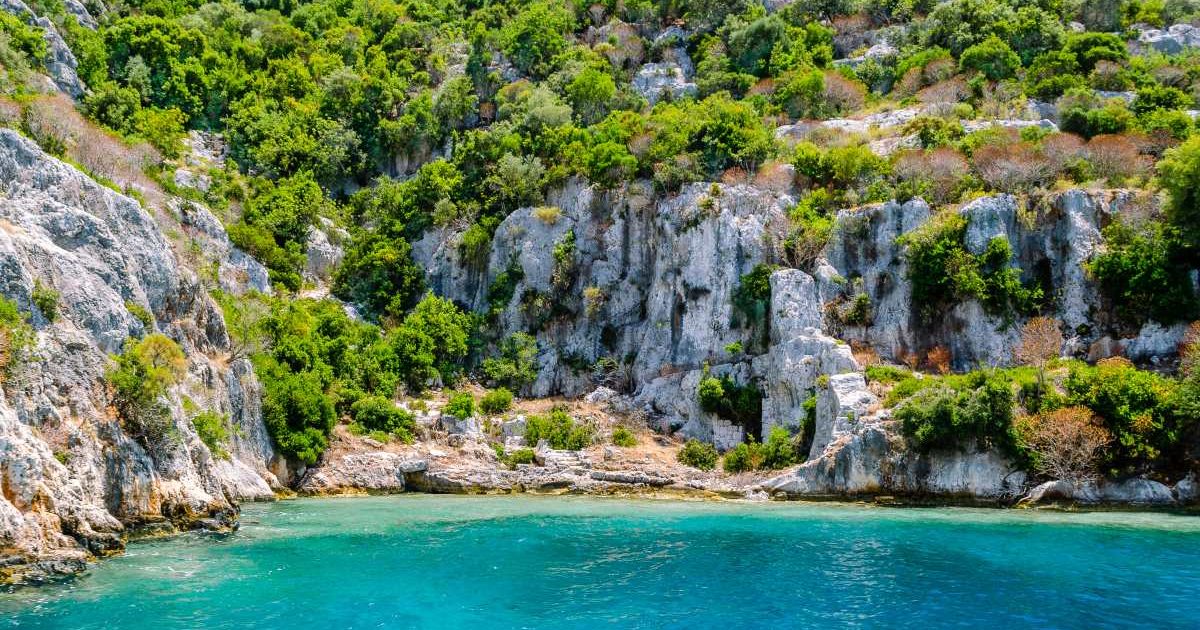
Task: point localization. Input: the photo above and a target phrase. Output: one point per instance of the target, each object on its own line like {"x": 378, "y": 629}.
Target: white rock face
{"x": 60, "y": 62}
{"x": 379, "y": 471}
{"x": 322, "y": 253}
{"x": 655, "y": 81}
{"x": 1128, "y": 492}
{"x": 74, "y": 478}
{"x": 1064, "y": 234}
{"x": 873, "y": 459}
{"x": 1172, "y": 41}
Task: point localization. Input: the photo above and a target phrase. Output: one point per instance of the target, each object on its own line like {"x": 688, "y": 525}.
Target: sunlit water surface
{"x": 566, "y": 562}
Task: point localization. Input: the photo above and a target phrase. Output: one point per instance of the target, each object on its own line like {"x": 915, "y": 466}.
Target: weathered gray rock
{"x": 873, "y": 459}
{"x": 378, "y": 471}
{"x": 73, "y": 474}
{"x": 322, "y": 253}
{"x": 1062, "y": 238}
{"x": 1135, "y": 491}
{"x": 655, "y": 81}
{"x": 971, "y": 126}
{"x": 1188, "y": 489}
{"x": 1171, "y": 41}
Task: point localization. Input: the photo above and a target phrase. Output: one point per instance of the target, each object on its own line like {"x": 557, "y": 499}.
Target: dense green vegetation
{"x": 138, "y": 382}
{"x": 559, "y": 429}
{"x": 698, "y": 454}
{"x": 1150, "y": 417}
{"x": 740, "y": 404}
{"x": 392, "y": 118}
{"x": 780, "y": 450}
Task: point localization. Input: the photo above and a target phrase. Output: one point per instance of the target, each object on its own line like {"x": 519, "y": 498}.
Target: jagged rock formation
{"x": 60, "y": 61}
{"x": 73, "y": 478}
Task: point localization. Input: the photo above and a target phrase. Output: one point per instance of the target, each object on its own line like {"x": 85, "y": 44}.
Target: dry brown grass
{"x": 54, "y": 123}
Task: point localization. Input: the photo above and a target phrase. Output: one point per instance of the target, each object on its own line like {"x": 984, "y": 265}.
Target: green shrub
{"x": 377, "y": 413}
{"x": 560, "y": 431}
{"x": 779, "y": 450}
{"x": 138, "y": 382}
{"x": 46, "y": 300}
{"x": 740, "y": 404}
{"x": 1083, "y": 112}
{"x": 1090, "y": 48}
{"x": 513, "y": 459}
{"x": 623, "y": 437}
{"x": 698, "y": 454}
{"x": 992, "y": 57}
{"x": 431, "y": 342}
{"x": 140, "y": 313}
{"x": 744, "y": 457}
{"x": 942, "y": 271}
{"x": 516, "y": 365}
{"x": 1141, "y": 271}
{"x": 1160, "y": 97}
{"x": 461, "y": 405}
{"x": 1136, "y": 406}
{"x": 17, "y": 338}
{"x": 211, "y": 427}
{"x": 496, "y": 401}
{"x": 753, "y": 294}
{"x": 1179, "y": 172}
{"x": 886, "y": 374}
{"x": 980, "y": 413}
{"x": 297, "y": 413}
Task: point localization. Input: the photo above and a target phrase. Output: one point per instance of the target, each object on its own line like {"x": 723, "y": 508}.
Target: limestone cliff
{"x": 73, "y": 479}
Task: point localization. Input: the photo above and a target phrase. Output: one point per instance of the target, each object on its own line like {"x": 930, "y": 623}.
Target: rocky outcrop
{"x": 659, "y": 277}
{"x": 60, "y": 62}
{"x": 323, "y": 251}
{"x": 1172, "y": 40}
{"x": 872, "y": 459}
{"x": 1051, "y": 240}
{"x": 74, "y": 478}
{"x": 1128, "y": 492}
{"x": 379, "y": 471}
{"x": 656, "y": 81}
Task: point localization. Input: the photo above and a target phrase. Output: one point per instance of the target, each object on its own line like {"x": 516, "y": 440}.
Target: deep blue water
{"x": 558, "y": 562}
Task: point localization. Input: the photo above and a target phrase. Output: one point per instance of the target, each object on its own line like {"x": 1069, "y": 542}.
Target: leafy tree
{"x": 535, "y": 35}
{"x": 377, "y": 413}
{"x": 1091, "y": 48}
{"x": 296, "y": 411}
{"x": 379, "y": 274}
{"x": 590, "y": 92}
{"x": 992, "y": 57}
{"x": 138, "y": 382}
{"x": 1179, "y": 171}
{"x": 515, "y": 365}
{"x": 1135, "y": 406}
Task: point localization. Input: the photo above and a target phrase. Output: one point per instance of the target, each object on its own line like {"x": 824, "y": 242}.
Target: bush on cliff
{"x": 698, "y": 454}
{"x": 978, "y": 413}
{"x": 139, "y": 380}
{"x": 1138, "y": 407}
{"x": 17, "y": 338}
{"x": 376, "y": 413}
{"x": 496, "y": 401}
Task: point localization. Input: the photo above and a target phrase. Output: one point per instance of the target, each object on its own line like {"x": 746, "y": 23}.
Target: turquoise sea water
{"x": 564, "y": 562}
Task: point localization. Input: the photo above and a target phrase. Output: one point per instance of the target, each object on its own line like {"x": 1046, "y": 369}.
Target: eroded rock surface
{"x": 75, "y": 478}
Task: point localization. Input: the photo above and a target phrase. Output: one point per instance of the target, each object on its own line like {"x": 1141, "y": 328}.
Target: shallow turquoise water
{"x": 557, "y": 562}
